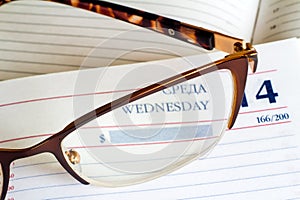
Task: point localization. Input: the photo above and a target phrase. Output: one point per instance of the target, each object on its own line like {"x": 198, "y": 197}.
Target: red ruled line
{"x": 64, "y": 97}
{"x": 261, "y": 125}
{"x": 90, "y": 94}
{"x": 143, "y": 144}
{"x": 233, "y": 129}
{"x": 154, "y": 124}
{"x": 25, "y": 138}
{"x": 263, "y": 110}
{"x": 263, "y": 72}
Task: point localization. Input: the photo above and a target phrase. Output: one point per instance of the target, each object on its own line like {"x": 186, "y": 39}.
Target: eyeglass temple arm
{"x": 192, "y": 34}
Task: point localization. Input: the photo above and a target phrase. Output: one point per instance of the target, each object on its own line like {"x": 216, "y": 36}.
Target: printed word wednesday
{"x": 165, "y": 107}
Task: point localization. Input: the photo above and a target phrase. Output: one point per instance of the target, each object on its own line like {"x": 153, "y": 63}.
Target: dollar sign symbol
{"x": 102, "y": 138}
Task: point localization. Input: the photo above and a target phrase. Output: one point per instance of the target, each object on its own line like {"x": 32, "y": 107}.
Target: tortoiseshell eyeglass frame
{"x": 241, "y": 56}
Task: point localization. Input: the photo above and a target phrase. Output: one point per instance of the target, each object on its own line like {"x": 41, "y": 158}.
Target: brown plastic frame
{"x": 237, "y": 63}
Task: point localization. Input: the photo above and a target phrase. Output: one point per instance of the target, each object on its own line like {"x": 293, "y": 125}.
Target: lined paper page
{"x": 257, "y": 159}
{"x": 277, "y": 20}
{"x": 41, "y": 37}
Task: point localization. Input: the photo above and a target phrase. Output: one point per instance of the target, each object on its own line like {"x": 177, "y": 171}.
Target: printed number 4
{"x": 270, "y": 94}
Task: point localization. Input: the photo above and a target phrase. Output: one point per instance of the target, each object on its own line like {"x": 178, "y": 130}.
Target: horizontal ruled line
{"x": 243, "y": 192}
{"x": 64, "y": 25}
{"x": 20, "y": 71}
{"x": 276, "y": 2}
{"x": 263, "y": 110}
{"x": 245, "y": 127}
{"x": 85, "y": 55}
{"x": 206, "y": 171}
{"x": 263, "y": 72}
{"x": 194, "y": 185}
{"x": 86, "y": 46}
{"x": 261, "y": 125}
{"x": 257, "y": 139}
{"x": 283, "y": 15}
{"x": 24, "y": 138}
{"x": 291, "y": 21}
{"x": 173, "y": 174}
{"x": 292, "y": 4}
{"x": 38, "y": 176}
{"x": 145, "y": 143}
{"x": 40, "y": 63}
{"x": 55, "y": 15}
{"x": 203, "y": 159}
{"x": 63, "y": 97}
{"x": 154, "y": 124}
{"x": 236, "y": 167}
{"x": 281, "y": 32}
{"x": 83, "y": 94}
{"x": 200, "y": 159}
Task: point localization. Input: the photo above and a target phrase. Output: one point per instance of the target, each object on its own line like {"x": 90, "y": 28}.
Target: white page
{"x": 277, "y": 20}
{"x": 41, "y": 37}
{"x": 253, "y": 160}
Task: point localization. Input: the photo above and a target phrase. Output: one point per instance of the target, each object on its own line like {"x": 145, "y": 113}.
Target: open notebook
{"x": 41, "y": 37}
{"x": 258, "y": 159}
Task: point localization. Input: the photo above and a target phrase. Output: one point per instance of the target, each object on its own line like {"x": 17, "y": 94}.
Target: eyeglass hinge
{"x": 239, "y": 47}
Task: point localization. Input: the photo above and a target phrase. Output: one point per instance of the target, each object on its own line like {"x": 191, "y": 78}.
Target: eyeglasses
{"x": 160, "y": 127}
